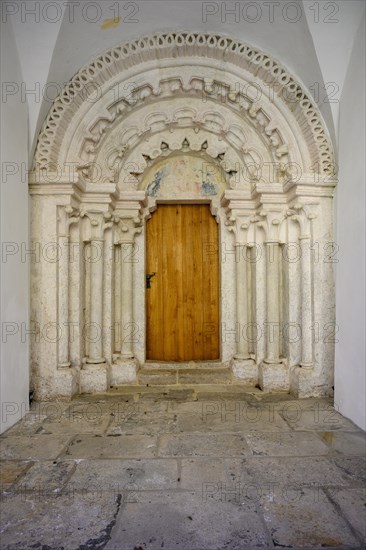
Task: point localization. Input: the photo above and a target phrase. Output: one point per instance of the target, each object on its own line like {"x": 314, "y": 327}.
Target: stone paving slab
{"x": 11, "y": 471}
{"x": 33, "y": 447}
{"x": 297, "y": 519}
{"x": 279, "y": 472}
{"x": 350, "y": 443}
{"x": 28, "y": 425}
{"x": 317, "y": 419}
{"x": 125, "y": 475}
{"x": 117, "y": 446}
{"x": 56, "y": 521}
{"x": 286, "y": 444}
{"x": 76, "y": 425}
{"x": 352, "y": 503}
{"x": 143, "y": 424}
{"x": 119, "y": 407}
{"x": 234, "y": 417}
{"x": 45, "y": 477}
{"x": 183, "y": 521}
{"x": 352, "y": 468}
{"x": 219, "y": 445}
{"x": 198, "y": 473}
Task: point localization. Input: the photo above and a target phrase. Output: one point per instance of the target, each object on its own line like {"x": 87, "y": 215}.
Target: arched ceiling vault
{"x": 237, "y": 103}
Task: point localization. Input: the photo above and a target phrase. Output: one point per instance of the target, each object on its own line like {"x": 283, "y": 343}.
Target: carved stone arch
{"x": 184, "y": 96}
{"x": 131, "y": 164}
{"x": 243, "y": 63}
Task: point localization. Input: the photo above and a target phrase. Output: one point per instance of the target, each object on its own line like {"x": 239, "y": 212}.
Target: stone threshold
{"x": 163, "y": 374}
{"x": 184, "y": 364}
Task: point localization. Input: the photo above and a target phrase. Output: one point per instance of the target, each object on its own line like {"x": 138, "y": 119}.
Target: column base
{"x": 62, "y": 385}
{"x": 94, "y": 378}
{"x": 97, "y": 361}
{"x": 305, "y": 383}
{"x": 274, "y": 377}
{"x": 124, "y": 371}
{"x": 245, "y": 371}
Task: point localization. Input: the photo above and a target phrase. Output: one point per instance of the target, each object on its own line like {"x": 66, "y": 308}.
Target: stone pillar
{"x": 239, "y": 214}
{"x": 128, "y": 225}
{"x": 304, "y": 374}
{"x": 306, "y": 303}
{"x": 127, "y": 249}
{"x": 64, "y": 221}
{"x": 63, "y": 302}
{"x": 94, "y": 375}
{"x": 273, "y": 371}
{"x": 273, "y": 303}
{"x": 242, "y": 298}
{"x": 96, "y": 302}
{"x": 301, "y": 214}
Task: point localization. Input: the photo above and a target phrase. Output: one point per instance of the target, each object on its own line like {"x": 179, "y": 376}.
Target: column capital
{"x": 99, "y": 221}
{"x": 303, "y": 215}
{"x": 270, "y": 219}
{"x": 66, "y": 216}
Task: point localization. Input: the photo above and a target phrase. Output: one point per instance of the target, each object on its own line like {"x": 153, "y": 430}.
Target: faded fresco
{"x": 186, "y": 177}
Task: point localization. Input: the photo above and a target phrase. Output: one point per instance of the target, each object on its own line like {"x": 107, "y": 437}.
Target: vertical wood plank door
{"x": 182, "y": 305}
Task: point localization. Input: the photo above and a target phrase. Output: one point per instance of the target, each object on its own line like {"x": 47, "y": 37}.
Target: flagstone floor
{"x": 213, "y": 468}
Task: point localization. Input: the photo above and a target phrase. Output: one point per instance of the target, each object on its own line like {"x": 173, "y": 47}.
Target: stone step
{"x": 163, "y": 375}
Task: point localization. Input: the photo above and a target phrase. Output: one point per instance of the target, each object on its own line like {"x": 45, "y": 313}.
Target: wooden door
{"x": 183, "y": 301}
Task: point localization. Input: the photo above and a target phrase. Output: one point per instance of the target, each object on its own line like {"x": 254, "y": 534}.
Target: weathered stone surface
{"x": 33, "y": 447}
{"x": 353, "y": 468}
{"x": 232, "y": 416}
{"x": 280, "y": 472}
{"x": 58, "y": 521}
{"x": 286, "y": 444}
{"x": 297, "y": 519}
{"x": 46, "y": 477}
{"x": 11, "y": 470}
{"x": 125, "y": 475}
{"x": 143, "y": 424}
{"x": 224, "y": 445}
{"x": 352, "y": 503}
{"x": 76, "y": 424}
{"x": 319, "y": 419}
{"x": 346, "y": 442}
{"x": 183, "y": 520}
{"x": 232, "y": 474}
{"x": 30, "y": 424}
{"x": 112, "y": 446}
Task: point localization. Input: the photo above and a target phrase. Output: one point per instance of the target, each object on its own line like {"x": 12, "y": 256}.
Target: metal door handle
{"x": 149, "y": 276}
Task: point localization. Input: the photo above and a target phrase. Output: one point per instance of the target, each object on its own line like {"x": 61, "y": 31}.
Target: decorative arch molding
{"x": 195, "y": 98}
{"x": 247, "y": 66}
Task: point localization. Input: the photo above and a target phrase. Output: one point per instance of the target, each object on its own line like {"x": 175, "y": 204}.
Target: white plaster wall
{"x": 333, "y": 26}
{"x": 36, "y": 26}
{"x": 14, "y": 371}
{"x": 350, "y": 381}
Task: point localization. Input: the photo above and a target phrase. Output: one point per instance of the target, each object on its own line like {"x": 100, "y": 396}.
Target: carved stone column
{"x": 128, "y": 228}
{"x": 273, "y": 303}
{"x": 239, "y": 214}
{"x": 94, "y": 375}
{"x": 303, "y": 218}
{"x": 65, "y": 219}
{"x": 128, "y": 225}
{"x": 273, "y": 372}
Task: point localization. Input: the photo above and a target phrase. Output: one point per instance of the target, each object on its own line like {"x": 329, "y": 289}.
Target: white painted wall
{"x": 350, "y": 380}
{"x": 333, "y": 26}
{"x": 14, "y": 370}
